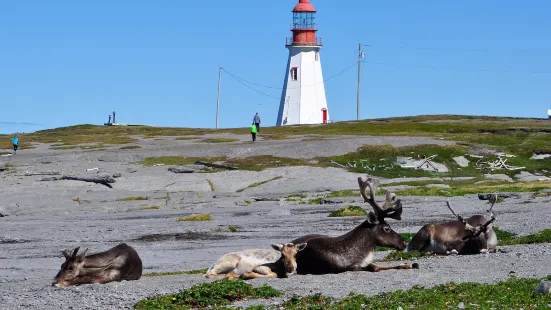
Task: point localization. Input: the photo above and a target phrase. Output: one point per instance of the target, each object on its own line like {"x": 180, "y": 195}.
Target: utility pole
{"x": 359, "y": 75}
{"x": 218, "y": 99}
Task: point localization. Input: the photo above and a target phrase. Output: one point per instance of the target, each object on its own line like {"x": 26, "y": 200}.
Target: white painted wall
{"x": 302, "y": 100}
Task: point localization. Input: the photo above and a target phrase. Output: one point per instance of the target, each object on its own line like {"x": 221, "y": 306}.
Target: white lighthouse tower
{"x": 303, "y": 98}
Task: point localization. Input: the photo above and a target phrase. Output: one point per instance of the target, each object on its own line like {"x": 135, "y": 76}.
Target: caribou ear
{"x": 75, "y": 251}
{"x": 301, "y": 247}
{"x": 372, "y": 218}
{"x": 66, "y": 254}
{"x": 277, "y": 247}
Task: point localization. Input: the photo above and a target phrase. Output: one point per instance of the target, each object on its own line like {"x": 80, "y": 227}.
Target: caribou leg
{"x": 375, "y": 268}
{"x": 260, "y": 272}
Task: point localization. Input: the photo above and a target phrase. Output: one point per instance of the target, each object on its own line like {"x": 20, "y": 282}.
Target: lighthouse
{"x": 303, "y": 97}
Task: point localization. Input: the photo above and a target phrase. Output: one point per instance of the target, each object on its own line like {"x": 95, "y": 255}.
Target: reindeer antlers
{"x": 459, "y": 217}
{"x": 392, "y": 208}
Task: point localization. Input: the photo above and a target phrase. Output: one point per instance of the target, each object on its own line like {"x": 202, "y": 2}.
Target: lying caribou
{"x": 116, "y": 264}
{"x": 257, "y": 263}
{"x": 474, "y": 235}
{"x": 353, "y": 251}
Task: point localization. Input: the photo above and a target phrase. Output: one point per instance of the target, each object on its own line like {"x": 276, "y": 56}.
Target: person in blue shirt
{"x": 256, "y": 122}
{"x": 15, "y": 141}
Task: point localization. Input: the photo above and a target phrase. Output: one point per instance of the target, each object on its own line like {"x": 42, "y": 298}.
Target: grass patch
{"x": 509, "y": 238}
{"x": 176, "y": 160}
{"x": 72, "y": 147}
{"x": 186, "y": 138}
{"x": 349, "y": 211}
{"x": 211, "y": 185}
{"x": 133, "y": 198}
{"x": 461, "y": 190}
{"x": 258, "y": 184}
{"x": 219, "y": 140}
{"x": 344, "y": 193}
{"x": 261, "y": 162}
{"x": 397, "y": 256}
{"x": 151, "y": 208}
{"x": 274, "y": 137}
{"x": 513, "y": 293}
{"x": 315, "y": 201}
{"x": 212, "y": 295}
{"x": 130, "y": 147}
{"x": 201, "y": 217}
{"x": 175, "y": 273}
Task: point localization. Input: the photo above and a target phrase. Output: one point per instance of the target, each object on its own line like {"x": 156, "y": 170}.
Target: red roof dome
{"x": 304, "y": 6}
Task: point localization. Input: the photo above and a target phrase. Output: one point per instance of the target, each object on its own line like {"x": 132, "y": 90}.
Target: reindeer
{"x": 474, "y": 235}
{"x": 116, "y": 264}
{"x": 277, "y": 262}
{"x": 353, "y": 251}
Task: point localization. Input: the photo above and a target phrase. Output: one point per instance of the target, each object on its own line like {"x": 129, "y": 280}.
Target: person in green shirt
{"x": 253, "y": 131}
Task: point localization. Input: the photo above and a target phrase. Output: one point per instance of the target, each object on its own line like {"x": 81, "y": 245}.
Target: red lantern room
{"x": 304, "y": 25}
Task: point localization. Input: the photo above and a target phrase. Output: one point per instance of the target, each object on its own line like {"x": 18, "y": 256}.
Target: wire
{"x": 256, "y": 90}
{"x": 348, "y": 67}
{"x": 449, "y": 49}
{"x": 459, "y": 69}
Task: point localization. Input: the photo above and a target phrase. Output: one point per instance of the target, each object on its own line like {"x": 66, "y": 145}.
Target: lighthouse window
{"x": 294, "y": 73}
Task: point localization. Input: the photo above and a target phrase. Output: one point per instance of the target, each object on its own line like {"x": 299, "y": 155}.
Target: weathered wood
{"x": 265, "y": 199}
{"x": 212, "y": 165}
{"x": 104, "y": 180}
{"x": 183, "y": 169}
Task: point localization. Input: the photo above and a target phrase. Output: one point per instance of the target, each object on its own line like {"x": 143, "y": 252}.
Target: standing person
{"x": 15, "y": 141}
{"x": 256, "y": 122}
{"x": 253, "y": 132}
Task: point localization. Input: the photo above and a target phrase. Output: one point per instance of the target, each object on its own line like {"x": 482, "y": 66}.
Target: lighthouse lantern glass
{"x": 304, "y": 20}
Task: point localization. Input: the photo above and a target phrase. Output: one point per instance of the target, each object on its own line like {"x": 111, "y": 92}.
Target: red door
{"x": 324, "y": 112}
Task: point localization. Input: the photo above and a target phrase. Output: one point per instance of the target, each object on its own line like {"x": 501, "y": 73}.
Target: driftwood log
{"x": 2, "y": 167}
{"x": 212, "y": 165}
{"x": 104, "y": 180}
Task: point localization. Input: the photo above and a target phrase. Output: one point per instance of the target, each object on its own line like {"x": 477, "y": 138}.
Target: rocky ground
{"x": 45, "y": 217}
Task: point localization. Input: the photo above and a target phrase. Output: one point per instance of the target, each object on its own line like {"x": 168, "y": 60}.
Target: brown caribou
{"x": 277, "y": 262}
{"x": 353, "y": 251}
{"x": 116, "y": 264}
{"x": 474, "y": 235}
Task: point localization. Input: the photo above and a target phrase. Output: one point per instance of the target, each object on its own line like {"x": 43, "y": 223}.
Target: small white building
{"x": 549, "y": 114}
{"x": 303, "y": 98}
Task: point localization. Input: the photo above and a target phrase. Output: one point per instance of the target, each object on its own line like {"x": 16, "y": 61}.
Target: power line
{"x": 458, "y": 69}
{"x": 453, "y": 49}
{"x": 237, "y": 79}
{"x": 348, "y": 67}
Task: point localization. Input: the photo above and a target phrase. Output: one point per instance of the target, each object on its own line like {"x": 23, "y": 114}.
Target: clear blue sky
{"x": 65, "y": 62}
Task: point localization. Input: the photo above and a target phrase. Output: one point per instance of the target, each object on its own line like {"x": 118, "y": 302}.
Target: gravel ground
{"x": 45, "y": 217}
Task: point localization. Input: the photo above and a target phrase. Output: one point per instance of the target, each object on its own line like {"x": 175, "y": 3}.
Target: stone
{"x": 524, "y": 176}
{"x": 544, "y": 287}
{"x": 461, "y": 161}
{"x": 500, "y": 177}
{"x": 117, "y": 175}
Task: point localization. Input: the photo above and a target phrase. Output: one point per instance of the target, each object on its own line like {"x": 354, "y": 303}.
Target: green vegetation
{"x": 201, "y": 217}
{"x": 258, "y": 184}
{"x": 509, "y": 294}
{"x": 132, "y": 198}
{"x": 212, "y": 295}
{"x": 398, "y": 256}
{"x": 151, "y": 208}
{"x": 176, "y": 160}
{"x": 344, "y": 193}
{"x": 219, "y": 140}
{"x": 509, "y": 238}
{"x": 175, "y": 273}
{"x": 462, "y": 189}
{"x": 315, "y": 201}
{"x": 261, "y": 162}
{"x": 186, "y": 138}
{"x": 349, "y": 211}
